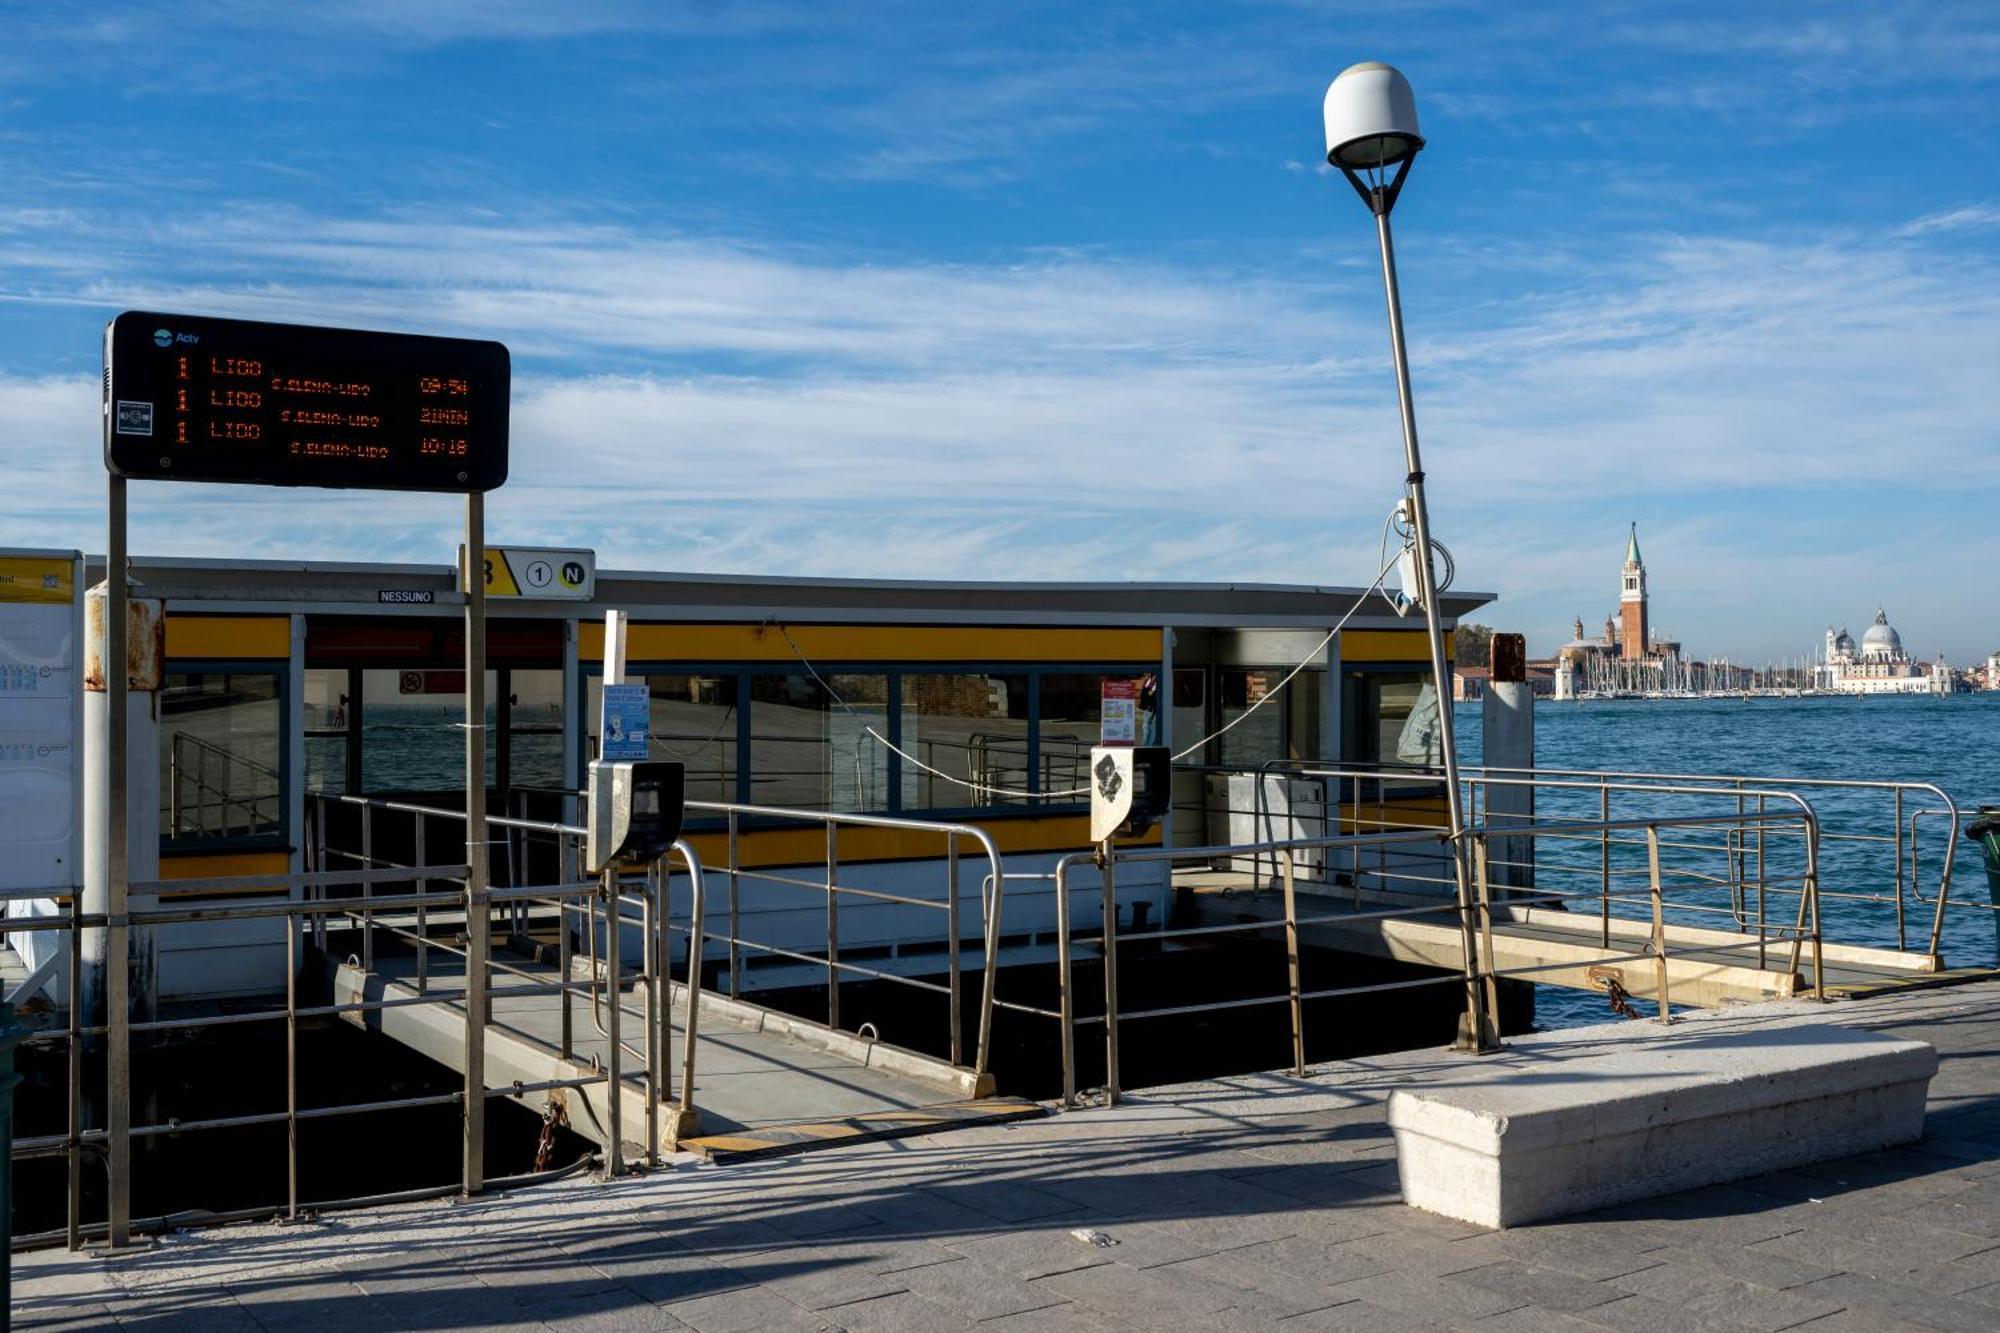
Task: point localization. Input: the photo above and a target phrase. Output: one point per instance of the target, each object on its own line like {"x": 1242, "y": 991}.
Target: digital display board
{"x": 189, "y": 398}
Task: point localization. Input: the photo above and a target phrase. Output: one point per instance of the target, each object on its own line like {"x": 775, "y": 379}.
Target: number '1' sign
{"x": 189, "y": 398}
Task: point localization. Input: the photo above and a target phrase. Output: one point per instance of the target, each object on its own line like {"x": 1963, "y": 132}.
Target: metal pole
{"x": 1659, "y": 921}
{"x": 614, "y": 1148}
{"x": 73, "y": 1146}
{"x": 1479, "y": 1034}
{"x": 832, "y": 925}
{"x": 735, "y": 915}
{"x": 117, "y": 996}
{"x": 685, "y": 1122}
{"x": 1292, "y": 965}
{"x": 951, "y": 928}
{"x": 478, "y": 936}
{"x": 1106, "y": 864}
{"x": 291, "y": 926}
{"x": 1065, "y": 993}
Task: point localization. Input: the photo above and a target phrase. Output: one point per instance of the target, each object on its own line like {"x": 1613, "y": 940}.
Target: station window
{"x": 534, "y": 735}
{"x": 1390, "y": 720}
{"x": 412, "y": 732}
{"x": 1071, "y": 713}
{"x": 221, "y": 757}
{"x": 1259, "y": 736}
{"x": 810, "y": 748}
{"x": 969, "y": 731}
{"x": 329, "y": 724}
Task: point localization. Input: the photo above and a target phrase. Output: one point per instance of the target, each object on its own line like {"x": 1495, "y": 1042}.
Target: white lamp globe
{"x": 1371, "y": 117}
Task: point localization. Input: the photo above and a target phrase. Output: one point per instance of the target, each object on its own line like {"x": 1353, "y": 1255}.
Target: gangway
{"x": 764, "y": 1081}
{"x": 696, "y": 1070}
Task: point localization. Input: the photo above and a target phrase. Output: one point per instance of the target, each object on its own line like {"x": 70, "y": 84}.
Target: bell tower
{"x": 1634, "y": 631}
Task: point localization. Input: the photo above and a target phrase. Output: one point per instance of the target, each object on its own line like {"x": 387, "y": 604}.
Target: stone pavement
{"x": 1256, "y": 1202}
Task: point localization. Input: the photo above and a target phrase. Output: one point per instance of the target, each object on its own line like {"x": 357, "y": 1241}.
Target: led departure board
{"x": 188, "y": 398}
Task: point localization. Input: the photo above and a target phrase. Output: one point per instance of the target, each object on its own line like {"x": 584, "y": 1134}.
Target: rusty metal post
{"x": 1659, "y": 921}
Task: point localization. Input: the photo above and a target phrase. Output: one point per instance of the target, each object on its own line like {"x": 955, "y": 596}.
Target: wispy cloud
{"x": 1971, "y": 217}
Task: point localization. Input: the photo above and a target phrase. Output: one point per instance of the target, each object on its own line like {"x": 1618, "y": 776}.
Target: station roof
{"x": 353, "y": 587}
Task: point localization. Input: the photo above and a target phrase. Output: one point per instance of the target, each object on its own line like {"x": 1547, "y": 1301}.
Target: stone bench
{"x": 1679, "y": 1111}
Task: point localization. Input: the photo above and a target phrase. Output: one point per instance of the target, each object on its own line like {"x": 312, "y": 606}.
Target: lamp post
{"x": 1371, "y": 129}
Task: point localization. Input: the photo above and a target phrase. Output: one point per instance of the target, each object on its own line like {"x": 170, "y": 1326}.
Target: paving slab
{"x": 1237, "y": 1203}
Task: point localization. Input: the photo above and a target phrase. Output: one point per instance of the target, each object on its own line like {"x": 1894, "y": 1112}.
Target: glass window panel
{"x": 1072, "y": 712}
{"x": 1390, "y": 720}
{"x": 535, "y": 721}
{"x": 412, "y": 732}
{"x": 327, "y": 710}
{"x": 1303, "y": 700}
{"x": 810, "y": 753}
{"x": 972, "y": 729}
{"x": 221, "y": 755}
{"x": 1260, "y": 736}
{"x": 691, "y": 720}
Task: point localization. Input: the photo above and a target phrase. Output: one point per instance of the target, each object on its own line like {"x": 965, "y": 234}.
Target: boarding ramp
{"x": 701, "y": 1070}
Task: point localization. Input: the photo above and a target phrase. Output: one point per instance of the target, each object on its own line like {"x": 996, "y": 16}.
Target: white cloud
{"x": 696, "y": 403}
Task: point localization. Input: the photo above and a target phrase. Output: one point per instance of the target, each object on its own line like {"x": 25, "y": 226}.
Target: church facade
{"x": 1878, "y": 664}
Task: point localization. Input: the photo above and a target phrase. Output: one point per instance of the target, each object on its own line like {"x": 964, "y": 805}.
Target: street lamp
{"x": 1371, "y": 128}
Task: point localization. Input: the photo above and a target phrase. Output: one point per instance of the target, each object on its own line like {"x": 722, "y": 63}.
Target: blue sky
{"x": 1064, "y": 291}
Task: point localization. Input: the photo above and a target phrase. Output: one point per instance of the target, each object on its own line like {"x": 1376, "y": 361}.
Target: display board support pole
{"x": 117, "y": 935}
{"x": 478, "y": 928}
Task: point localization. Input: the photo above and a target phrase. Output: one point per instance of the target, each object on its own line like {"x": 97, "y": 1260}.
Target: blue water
{"x": 1952, "y": 742}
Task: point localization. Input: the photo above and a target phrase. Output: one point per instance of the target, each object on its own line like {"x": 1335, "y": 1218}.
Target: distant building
{"x": 1878, "y": 664}
{"x": 1630, "y": 656}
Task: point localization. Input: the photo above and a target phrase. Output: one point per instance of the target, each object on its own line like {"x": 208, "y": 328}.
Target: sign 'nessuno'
{"x": 188, "y": 398}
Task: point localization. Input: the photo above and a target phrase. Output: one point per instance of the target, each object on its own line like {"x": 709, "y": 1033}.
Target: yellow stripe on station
{"x": 873, "y": 643}
{"x": 228, "y": 637}
{"x": 215, "y": 865}
{"x": 761, "y": 848}
{"x": 1390, "y": 645}
{"x": 751, "y": 1144}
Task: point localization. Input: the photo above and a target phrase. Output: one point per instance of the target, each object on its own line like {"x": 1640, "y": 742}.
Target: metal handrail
{"x": 308, "y": 911}
{"x": 1473, "y": 972}
{"x": 992, "y": 897}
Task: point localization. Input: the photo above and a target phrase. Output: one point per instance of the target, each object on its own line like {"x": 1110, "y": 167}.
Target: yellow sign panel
{"x": 554, "y": 573}
{"x": 38, "y": 579}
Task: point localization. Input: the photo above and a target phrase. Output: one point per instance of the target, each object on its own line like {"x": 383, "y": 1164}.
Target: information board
{"x": 625, "y": 723}
{"x": 39, "y": 688}
{"x": 189, "y": 398}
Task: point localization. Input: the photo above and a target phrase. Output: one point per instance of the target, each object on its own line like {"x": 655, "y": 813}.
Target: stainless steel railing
{"x": 304, "y": 914}
{"x": 1869, "y": 831}
{"x": 991, "y": 900}
{"x": 836, "y": 882}
{"x": 1473, "y": 923}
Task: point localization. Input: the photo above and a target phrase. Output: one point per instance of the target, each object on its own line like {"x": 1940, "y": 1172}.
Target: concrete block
{"x": 1672, "y": 1114}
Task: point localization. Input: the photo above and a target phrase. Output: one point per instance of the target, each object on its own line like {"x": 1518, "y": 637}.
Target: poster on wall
{"x": 40, "y": 629}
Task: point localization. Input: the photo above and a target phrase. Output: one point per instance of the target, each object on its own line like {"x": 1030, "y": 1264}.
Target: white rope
{"x": 986, "y": 789}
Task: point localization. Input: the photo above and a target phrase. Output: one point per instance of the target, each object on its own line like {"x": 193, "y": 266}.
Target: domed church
{"x": 1878, "y": 665}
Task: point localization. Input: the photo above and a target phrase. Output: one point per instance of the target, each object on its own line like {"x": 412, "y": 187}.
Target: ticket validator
{"x": 635, "y": 812}
{"x": 1130, "y": 789}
